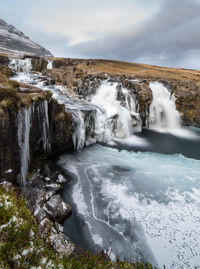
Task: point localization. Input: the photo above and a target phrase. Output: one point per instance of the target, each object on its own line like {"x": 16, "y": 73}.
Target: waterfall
{"x": 84, "y": 128}
{"x": 20, "y": 65}
{"x": 24, "y": 123}
{"x": 119, "y": 109}
{"x": 163, "y": 113}
{"x": 49, "y": 64}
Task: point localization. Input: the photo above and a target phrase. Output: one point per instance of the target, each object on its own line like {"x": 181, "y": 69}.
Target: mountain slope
{"x": 14, "y": 41}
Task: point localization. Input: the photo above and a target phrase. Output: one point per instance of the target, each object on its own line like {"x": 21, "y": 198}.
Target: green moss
{"x": 6, "y": 71}
{"x": 7, "y": 93}
{"x": 48, "y": 94}
{"x": 26, "y": 99}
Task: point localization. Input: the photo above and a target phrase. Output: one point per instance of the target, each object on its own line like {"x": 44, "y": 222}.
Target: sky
{"x": 158, "y": 32}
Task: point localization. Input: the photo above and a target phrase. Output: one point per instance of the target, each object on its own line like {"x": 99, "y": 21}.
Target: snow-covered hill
{"x": 14, "y": 41}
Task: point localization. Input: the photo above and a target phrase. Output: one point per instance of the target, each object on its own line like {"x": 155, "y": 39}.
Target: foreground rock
{"x": 48, "y": 207}
{"x": 56, "y": 208}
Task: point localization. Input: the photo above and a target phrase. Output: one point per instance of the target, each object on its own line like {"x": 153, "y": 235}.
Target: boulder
{"x": 56, "y": 208}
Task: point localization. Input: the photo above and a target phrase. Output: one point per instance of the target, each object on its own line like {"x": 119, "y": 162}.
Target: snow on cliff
{"x": 14, "y": 41}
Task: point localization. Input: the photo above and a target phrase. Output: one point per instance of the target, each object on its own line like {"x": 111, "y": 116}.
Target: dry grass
{"x": 140, "y": 70}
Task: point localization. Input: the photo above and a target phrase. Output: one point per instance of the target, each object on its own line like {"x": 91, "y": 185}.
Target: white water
{"x": 163, "y": 113}
{"x": 49, "y": 64}
{"x": 121, "y": 116}
{"x": 163, "y": 116}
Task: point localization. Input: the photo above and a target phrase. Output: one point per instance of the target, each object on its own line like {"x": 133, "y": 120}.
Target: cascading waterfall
{"x": 109, "y": 115}
{"x": 163, "y": 113}
{"x": 119, "y": 110}
{"x": 20, "y": 65}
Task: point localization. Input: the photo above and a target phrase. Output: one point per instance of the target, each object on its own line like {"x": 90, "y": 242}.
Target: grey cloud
{"x": 166, "y": 38}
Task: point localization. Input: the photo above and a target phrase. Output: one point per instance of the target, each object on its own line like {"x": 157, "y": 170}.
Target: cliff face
{"x": 15, "y": 42}
{"x": 31, "y": 123}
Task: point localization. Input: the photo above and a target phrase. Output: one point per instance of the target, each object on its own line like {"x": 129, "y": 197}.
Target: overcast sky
{"x": 160, "y": 32}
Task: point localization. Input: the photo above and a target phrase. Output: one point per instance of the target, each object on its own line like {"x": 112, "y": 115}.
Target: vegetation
{"x": 22, "y": 245}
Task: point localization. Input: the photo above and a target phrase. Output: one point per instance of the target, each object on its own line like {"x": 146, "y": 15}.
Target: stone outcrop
{"x": 56, "y": 208}
{"x": 188, "y": 102}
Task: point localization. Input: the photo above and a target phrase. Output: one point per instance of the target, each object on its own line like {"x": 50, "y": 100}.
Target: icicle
{"x": 45, "y": 133}
{"x": 24, "y": 122}
{"x": 79, "y": 131}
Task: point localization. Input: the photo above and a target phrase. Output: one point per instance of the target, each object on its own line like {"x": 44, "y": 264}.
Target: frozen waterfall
{"x": 24, "y": 126}
{"x": 24, "y": 122}
{"x": 21, "y": 65}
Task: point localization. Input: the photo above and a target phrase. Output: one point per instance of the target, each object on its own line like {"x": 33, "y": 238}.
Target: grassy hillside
{"x": 143, "y": 71}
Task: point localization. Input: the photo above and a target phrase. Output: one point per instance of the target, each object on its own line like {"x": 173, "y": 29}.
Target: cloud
{"x": 165, "y": 38}
{"x": 163, "y": 32}
{"x": 88, "y": 20}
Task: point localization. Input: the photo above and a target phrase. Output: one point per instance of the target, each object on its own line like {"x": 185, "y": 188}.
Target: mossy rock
{"x": 39, "y": 64}
{"x": 7, "y": 93}
{"x": 14, "y": 84}
{"x": 6, "y": 71}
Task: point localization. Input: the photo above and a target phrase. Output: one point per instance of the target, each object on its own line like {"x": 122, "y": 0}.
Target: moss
{"x": 26, "y": 99}
{"x": 48, "y": 94}
{"x": 6, "y": 71}
{"x": 39, "y": 64}
{"x": 14, "y": 84}
{"x": 7, "y": 93}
